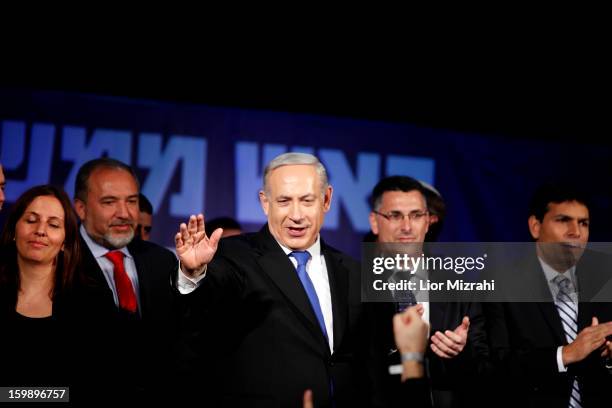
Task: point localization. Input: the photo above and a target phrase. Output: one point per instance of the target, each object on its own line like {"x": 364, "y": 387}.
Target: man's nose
{"x": 296, "y": 212}
{"x": 574, "y": 229}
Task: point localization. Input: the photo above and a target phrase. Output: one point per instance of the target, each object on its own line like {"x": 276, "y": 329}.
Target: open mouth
{"x": 297, "y": 232}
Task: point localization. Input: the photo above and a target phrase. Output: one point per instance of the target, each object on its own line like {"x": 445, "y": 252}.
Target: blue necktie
{"x": 302, "y": 258}
{"x": 403, "y": 298}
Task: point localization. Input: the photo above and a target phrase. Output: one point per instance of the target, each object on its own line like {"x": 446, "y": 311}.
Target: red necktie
{"x": 123, "y": 284}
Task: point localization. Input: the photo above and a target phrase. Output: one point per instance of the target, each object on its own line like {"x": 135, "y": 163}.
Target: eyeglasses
{"x": 397, "y": 216}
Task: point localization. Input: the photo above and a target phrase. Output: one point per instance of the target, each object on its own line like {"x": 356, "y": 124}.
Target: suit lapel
{"x": 338, "y": 286}
{"x": 276, "y": 264}
{"x": 141, "y": 270}
{"x": 551, "y": 316}
{"x": 91, "y": 268}
{"x": 548, "y": 308}
{"x": 438, "y": 316}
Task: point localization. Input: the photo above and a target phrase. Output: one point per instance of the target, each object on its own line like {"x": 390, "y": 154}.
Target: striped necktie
{"x": 568, "y": 312}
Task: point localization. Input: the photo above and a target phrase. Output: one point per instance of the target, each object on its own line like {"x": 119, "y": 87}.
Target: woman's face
{"x": 40, "y": 233}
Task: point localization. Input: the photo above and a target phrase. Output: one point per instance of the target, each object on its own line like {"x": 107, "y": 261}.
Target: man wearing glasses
{"x": 400, "y": 216}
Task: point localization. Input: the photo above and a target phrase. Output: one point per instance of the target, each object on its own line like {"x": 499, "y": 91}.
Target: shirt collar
{"x": 315, "y": 249}
{"x": 551, "y": 273}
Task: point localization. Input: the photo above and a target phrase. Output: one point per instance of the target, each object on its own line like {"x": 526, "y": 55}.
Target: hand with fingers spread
{"x": 193, "y": 248}
{"x": 588, "y": 340}
{"x": 450, "y": 343}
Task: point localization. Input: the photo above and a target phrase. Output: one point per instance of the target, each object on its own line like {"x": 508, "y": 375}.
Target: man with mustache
{"x": 133, "y": 275}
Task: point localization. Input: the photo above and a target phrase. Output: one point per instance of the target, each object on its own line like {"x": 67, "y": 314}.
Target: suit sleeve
{"x": 529, "y": 363}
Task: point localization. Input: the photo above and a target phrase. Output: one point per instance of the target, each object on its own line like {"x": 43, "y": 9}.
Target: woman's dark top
{"x": 68, "y": 348}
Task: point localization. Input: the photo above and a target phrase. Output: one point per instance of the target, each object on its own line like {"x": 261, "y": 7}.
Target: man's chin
{"x": 117, "y": 241}
{"x": 298, "y": 243}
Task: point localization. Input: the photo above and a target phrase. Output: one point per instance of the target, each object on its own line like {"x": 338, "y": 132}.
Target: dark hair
{"x": 67, "y": 260}
{"x": 394, "y": 183}
{"x": 221, "y": 222}
{"x": 81, "y": 184}
{"x": 435, "y": 206}
{"x": 555, "y": 193}
{"x": 144, "y": 205}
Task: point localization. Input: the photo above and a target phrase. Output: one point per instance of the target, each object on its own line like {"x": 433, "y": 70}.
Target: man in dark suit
{"x": 282, "y": 309}
{"x": 133, "y": 276}
{"x": 553, "y": 352}
{"x": 400, "y": 215}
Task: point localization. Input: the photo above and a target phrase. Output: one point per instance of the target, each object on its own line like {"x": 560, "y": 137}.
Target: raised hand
{"x": 589, "y": 339}
{"x": 410, "y": 331}
{"x": 450, "y": 343}
{"x": 193, "y": 248}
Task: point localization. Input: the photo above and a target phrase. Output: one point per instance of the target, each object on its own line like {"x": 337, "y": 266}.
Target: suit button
{"x": 330, "y": 362}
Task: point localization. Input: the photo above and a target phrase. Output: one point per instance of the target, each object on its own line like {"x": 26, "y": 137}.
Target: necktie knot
{"x": 116, "y": 257}
{"x": 301, "y": 257}
{"x": 565, "y": 285}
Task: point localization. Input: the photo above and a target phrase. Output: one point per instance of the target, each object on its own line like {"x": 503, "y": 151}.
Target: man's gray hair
{"x": 289, "y": 159}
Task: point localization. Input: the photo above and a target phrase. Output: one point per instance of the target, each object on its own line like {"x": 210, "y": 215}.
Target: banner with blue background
{"x": 195, "y": 158}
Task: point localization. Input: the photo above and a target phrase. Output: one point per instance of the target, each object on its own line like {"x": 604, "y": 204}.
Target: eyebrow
{"x": 409, "y": 212}
{"x": 114, "y": 197}
{"x": 569, "y": 217}
{"x": 38, "y": 215}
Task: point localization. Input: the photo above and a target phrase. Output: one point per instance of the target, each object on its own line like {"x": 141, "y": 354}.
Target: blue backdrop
{"x": 193, "y": 158}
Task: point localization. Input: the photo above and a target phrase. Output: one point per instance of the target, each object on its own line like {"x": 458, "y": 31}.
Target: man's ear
{"x": 534, "y": 227}
{"x": 79, "y": 207}
{"x": 373, "y": 223}
{"x": 265, "y": 203}
{"x": 327, "y": 198}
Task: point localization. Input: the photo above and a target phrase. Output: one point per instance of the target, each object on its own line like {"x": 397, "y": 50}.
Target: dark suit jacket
{"x": 525, "y": 336}
{"x": 140, "y": 349}
{"x": 261, "y": 333}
